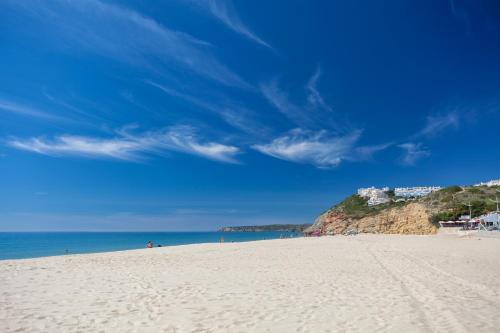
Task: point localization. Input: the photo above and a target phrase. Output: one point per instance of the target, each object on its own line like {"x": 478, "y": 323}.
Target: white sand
{"x": 364, "y": 283}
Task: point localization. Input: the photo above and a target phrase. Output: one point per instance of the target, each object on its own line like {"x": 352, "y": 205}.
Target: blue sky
{"x": 194, "y": 114}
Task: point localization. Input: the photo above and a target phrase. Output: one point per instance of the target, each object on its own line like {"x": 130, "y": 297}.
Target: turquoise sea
{"x": 18, "y": 245}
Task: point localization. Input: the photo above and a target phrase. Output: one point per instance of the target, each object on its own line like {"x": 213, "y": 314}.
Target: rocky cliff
{"x": 419, "y": 216}
{"x": 413, "y": 218}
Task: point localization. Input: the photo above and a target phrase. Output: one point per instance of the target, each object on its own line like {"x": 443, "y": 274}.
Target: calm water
{"x": 17, "y": 245}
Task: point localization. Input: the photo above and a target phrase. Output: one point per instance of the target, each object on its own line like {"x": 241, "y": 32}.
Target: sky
{"x": 190, "y": 115}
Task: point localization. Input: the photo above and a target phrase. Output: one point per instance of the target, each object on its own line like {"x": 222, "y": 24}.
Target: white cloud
{"x": 233, "y": 114}
{"x": 317, "y": 148}
{"x": 314, "y": 112}
{"x": 184, "y": 139}
{"x": 314, "y": 98}
{"x": 117, "y": 148}
{"x": 366, "y": 152}
{"x": 130, "y": 147}
{"x": 413, "y": 152}
{"x": 8, "y": 105}
{"x": 225, "y": 12}
{"x": 125, "y": 35}
{"x": 438, "y": 123}
{"x": 279, "y": 99}
{"x": 67, "y": 106}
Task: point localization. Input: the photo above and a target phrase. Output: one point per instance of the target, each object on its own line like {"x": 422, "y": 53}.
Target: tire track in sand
{"x": 427, "y": 306}
{"x": 485, "y": 293}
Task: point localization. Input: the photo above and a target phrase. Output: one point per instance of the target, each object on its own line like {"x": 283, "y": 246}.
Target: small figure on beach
{"x": 159, "y": 245}
{"x": 149, "y": 244}
{"x": 222, "y": 239}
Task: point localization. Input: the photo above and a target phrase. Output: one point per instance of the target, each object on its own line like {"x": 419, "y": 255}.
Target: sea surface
{"x": 20, "y": 245}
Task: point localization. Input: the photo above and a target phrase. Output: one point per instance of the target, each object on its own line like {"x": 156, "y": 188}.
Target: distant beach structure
{"x": 494, "y": 182}
{"x": 415, "y": 192}
{"x": 375, "y": 196}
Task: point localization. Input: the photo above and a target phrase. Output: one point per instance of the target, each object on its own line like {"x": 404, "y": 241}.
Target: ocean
{"x": 20, "y": 245}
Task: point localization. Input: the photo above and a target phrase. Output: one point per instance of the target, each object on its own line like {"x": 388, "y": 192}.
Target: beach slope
{"x": 364, "y": 283}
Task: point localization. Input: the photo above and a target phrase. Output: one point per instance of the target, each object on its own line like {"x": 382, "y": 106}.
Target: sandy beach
{"x": 363, "y": 283}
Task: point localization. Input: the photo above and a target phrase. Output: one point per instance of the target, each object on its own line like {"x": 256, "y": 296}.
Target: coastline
{"x": 21, "y": 245}
{"x": 131, "y": 251}
{"x": 358, "y": 283}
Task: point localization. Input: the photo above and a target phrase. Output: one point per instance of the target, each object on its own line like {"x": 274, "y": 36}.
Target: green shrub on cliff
{"x": 451, "y": 189}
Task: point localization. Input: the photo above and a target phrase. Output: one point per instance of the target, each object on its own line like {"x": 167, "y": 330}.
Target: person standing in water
{"x": 149, "y": 244}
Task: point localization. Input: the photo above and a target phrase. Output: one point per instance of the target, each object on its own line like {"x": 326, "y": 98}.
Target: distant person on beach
{"x": 149, "y": 244}
{"x": 222, "y": 239}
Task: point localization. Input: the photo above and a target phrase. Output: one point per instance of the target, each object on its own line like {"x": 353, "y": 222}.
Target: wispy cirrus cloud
{"x": 320, "y": 148}
{"x": 412, "y": 153}
{"x": 314, "y": 99}
{"x": 8, "y": 105}
{"x": 122, "y": 34}
{"x": 475, "y": 17}
{"x": 364, "y": 153}
{"x": 224, "y": 11}
{"x": 129, "y": 146}
{"x": 316, "y": 140}
{"x": 437, "y": 124}
{"x": 314, "y": 112}
{"x": 281, "y": 101}
{"x": 460, "y": 14}
{"x": 66, "y": 105}
{"x": 116, "y": 148}
{"x": 232, "y": 113}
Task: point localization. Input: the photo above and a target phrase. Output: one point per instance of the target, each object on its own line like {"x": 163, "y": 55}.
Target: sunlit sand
{"x": 363, "y": 283}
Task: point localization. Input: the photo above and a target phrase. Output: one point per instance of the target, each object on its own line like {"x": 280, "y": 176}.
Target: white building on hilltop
{"x": 375, "y": 196}
{"x": 495, "y": 182}
{"x": 415, "y": 192}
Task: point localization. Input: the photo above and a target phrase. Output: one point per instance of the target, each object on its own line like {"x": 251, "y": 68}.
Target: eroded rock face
{"x": 412, "y": 218}
{"x": 331, "y": 221}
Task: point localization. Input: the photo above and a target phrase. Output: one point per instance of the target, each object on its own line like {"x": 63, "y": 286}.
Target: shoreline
{"x": 473, "y": 234}
{"x": 37, "y": 245}
{"x": 140, "y": 249}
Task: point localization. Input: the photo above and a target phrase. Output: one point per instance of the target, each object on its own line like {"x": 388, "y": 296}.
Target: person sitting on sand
{"x": 149, "y": 244}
